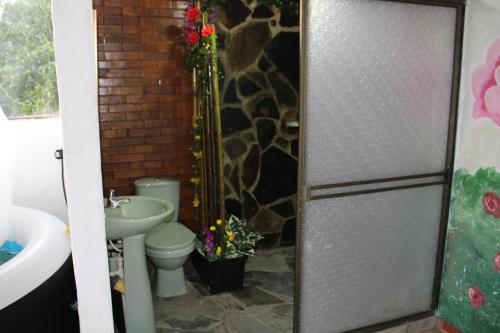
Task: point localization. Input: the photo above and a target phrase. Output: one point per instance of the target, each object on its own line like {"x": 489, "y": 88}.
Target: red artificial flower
{"x": 193, "y": 38}
{"x": 491, "y": 204}
{"x": 207, "y": 30}
{"x": 476, "y": 297}
{"x": 496, "y": 262}
{"x": 193, "y": 14}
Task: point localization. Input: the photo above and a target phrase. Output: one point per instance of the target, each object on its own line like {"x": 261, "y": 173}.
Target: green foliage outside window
{"x": 27, "y": 68}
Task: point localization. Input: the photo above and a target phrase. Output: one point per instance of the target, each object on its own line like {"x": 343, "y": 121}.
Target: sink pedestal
{"x": 139, "y": 313}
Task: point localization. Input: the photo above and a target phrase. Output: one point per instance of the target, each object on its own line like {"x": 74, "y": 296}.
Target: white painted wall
{"x": 77, "y": 82}
{"x": 36, "y": 173}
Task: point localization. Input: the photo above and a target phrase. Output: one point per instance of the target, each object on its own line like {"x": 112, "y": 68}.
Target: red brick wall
{"x": 145, "y": 98}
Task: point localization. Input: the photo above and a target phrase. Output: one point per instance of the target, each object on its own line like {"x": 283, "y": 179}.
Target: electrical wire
{"x": 110, "y": 242}
{"x": 58, "y": 154}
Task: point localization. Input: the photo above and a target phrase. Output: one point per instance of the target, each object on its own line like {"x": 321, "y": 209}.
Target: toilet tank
{"x": 162, "y": 188}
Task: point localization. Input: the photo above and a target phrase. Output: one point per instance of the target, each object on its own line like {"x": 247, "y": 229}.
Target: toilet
{"x": 169, "y": 244}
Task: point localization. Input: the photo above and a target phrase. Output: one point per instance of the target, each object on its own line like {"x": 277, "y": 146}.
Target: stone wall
{"x": 260, "y": 58}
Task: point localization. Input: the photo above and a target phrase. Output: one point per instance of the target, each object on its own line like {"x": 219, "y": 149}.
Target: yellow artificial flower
{"x": 219, "y": 250}
{"x": 219, "y": 222}
{"x": 195, "y": 180}
{"x": 197, "y": 137}
{"x": 212, "y": 228}
{"x": 229, "y": 233}
{"x": 231, "y": 238}
{"x": 196, "y": 202}
{"x": 197, "y": 154}
{"x": 195, "y": 121}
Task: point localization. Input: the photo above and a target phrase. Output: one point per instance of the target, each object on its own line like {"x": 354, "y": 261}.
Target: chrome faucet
{"x": 113, "y": 203}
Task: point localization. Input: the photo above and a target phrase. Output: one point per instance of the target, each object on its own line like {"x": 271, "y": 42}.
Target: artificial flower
{"x": 238, "y": 240}
{"x": 196, "y": 202}
{"x": 193, "y": 14}
{"x": 191, "y": 26}
{"x": 197, "y": 154}
{"x": 207, "y": 30}
{"x": 193, "y": 38}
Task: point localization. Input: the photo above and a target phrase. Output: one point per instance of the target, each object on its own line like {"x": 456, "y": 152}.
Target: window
{"x": 28, "y": 84}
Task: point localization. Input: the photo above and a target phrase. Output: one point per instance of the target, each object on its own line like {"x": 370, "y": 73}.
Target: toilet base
{"x": 170, "y": 283}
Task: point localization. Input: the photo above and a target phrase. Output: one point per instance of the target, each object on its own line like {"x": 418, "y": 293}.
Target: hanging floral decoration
{"x": 220, "y": 238}
{"x": 201, "y": 61}
{"x": 200, "y": 37}
{"x": 199, "y": 31}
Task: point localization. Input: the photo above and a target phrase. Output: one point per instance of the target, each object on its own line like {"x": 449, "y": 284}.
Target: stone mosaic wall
{"x": 260, "y": 58}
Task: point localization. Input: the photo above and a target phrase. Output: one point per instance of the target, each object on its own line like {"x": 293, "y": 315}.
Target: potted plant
{"x": 221, "y": 253}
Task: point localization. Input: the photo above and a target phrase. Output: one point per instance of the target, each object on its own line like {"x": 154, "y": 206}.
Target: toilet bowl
{"x": 169, "y": 244}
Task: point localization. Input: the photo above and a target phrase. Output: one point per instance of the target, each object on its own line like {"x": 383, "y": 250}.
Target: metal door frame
{"x": 305, "y": 192}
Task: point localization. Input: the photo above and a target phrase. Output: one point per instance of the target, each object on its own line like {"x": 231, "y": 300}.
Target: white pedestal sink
{"x": 131, "y": 221}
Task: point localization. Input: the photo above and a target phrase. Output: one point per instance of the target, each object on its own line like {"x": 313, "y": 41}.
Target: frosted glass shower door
{"x": 379, "y": 90}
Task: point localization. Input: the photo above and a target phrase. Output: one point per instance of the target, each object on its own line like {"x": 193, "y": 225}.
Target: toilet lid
{"x": 169, "y": 236}
{"x": 155, "y": 182}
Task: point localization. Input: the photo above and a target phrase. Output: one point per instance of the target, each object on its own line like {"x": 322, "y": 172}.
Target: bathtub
{"x": 36, "y": 285}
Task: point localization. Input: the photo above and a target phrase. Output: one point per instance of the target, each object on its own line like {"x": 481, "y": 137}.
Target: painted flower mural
{"x": 470, "y": 288}
{"x": 496, "y": 262}
{"x": 486, "y": 86}
{"x": 476, "y": 297}
{"x": 491, "y": 204}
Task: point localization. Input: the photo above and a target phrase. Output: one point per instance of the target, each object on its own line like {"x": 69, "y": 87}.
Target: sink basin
{"x": 131, "y": 221}
{"x": 136, "y": 217}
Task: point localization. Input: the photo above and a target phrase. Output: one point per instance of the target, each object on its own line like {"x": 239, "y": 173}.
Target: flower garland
{"x": 201, "y": 62}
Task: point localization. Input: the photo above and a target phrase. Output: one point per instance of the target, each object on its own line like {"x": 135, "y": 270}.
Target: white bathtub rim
{"x": 46, "y": 247}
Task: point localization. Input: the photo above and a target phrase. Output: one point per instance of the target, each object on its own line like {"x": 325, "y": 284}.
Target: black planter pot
{"x": 220, "y": 275}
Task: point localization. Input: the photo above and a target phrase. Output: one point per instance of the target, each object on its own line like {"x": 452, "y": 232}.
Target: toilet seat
{"x": 170, "y": 254}
{"x": 169, "y": 240}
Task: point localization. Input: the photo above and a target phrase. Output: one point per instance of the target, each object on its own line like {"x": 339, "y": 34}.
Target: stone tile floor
{"x": 265, "y": 305}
